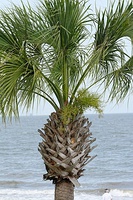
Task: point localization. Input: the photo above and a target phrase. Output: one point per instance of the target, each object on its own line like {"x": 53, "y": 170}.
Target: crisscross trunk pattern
{"x": 65, "y": 150}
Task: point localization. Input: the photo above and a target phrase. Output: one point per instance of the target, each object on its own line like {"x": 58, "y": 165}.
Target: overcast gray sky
{"x": 125, "y": 107}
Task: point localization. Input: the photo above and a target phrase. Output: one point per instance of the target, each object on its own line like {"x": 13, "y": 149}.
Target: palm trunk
{"x": 65, "y": 150}
{"x": 64, "y": 190}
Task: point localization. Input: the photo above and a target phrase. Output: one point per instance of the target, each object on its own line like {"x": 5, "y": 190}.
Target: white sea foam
{"x": 25, "y": 192}
{"x": 18, "y": 194}
{"x": 10, "y": 194}
{"x": 122, "y": 193}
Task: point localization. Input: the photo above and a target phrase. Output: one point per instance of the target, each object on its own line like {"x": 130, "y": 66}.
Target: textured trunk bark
{"x": 64, "y": 190}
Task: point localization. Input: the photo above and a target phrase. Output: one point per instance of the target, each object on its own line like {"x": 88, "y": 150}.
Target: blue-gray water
{"x": 21, "y": 166}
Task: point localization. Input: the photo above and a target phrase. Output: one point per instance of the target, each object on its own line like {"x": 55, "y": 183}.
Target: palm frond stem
{"x": 48, "y": 98}
{"x": 55, "y": 90}
{"x": 65, "y": 82}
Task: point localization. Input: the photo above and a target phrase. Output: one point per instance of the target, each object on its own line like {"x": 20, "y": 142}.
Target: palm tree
{"x": 59, "y": 52}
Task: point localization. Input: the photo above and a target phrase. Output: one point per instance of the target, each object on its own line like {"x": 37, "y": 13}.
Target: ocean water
{"x": 22, "y": 169}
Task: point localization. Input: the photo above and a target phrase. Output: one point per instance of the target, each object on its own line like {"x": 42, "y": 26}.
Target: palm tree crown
{"x": 43, "y": 52}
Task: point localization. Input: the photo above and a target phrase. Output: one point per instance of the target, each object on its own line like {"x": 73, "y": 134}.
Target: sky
{"x": 125, "y": 107}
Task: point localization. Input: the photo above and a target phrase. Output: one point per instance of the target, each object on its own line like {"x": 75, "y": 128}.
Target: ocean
{"x": 22, "y": 169}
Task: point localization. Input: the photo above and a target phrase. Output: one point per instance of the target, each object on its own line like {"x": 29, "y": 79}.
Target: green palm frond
{"x": 65, "y": 23}
{"x": 112, "y": 26}
{"x": 109, "y": 58}
{"x": 23, "y": 80}
{"x": 21, "y": 64}
{"x": 83, "y": 100}
{"x": 120, "y": 81}
{"x": 65, "y": 20}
